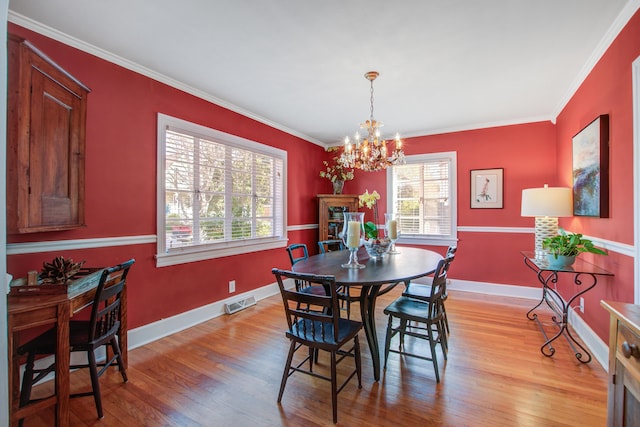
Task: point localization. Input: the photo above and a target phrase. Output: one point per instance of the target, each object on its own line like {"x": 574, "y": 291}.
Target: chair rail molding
{"x": 61, "y": 245}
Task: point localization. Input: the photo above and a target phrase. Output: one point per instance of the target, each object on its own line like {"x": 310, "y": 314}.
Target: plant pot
{"x": 561, "y": 260}
{"x": 337, "y": 187}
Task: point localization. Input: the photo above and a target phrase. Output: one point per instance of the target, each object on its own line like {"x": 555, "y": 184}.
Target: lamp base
{"x": 545, "y": 227}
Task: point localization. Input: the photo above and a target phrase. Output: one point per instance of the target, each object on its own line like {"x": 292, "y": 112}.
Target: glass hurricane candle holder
{"x": 391, "y": 229}
{"x": 353, "y": 237}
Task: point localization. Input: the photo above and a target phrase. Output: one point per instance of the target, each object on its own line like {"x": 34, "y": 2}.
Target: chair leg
{"x": 313, "y": 355}
{"x": 445, "y": 319}
{"x": 116, "y": 350}
{"x": 334, "y": 387}
{"x": 95, "y": 383}
{"x": 356, "y": 346}
{"x": 348, "y": 301}
{"x": 287, "y": 367}
{"x": 27, "y": 379}
{"x": 387, "y": 340}
{"x": 432, "y": 346}
{"x": 403, "y": 328}
{"x": 442, "y": 335}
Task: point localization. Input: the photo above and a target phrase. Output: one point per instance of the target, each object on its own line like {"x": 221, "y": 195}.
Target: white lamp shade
{"x": 547, "y": 201}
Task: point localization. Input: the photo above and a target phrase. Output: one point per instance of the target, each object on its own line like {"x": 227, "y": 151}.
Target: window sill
{"x": 427, "y": 240}
{"x": 193, "y": 254}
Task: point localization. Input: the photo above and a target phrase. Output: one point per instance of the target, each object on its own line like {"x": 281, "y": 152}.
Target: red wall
{"x": 121, "y": 157}
{"x": 607, "y": 90}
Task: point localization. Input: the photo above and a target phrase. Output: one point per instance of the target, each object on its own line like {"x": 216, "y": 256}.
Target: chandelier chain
{"x": 371, "y": 90}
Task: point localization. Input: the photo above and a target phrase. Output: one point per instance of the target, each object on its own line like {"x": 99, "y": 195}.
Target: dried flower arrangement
{"x": 60, "y": 270}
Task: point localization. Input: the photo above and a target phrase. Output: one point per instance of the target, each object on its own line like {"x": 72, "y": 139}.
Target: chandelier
{"x": 371, "y": 153}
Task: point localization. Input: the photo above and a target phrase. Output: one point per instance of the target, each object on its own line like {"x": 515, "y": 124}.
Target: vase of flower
{"x": 338, "y": 186}
{"x": 353, "y": 236}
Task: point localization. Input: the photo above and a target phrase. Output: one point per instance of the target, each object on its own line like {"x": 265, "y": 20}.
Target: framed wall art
{"x": 591, "y": 169}
{"x": 486, "y": 188}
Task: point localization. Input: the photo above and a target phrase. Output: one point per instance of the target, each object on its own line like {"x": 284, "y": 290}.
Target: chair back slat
{"x": 106, "y": 312}
{"x": 310, "y": 316}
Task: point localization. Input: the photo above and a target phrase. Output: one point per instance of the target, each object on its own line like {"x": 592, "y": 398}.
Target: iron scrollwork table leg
{"x": 560, "y": 308}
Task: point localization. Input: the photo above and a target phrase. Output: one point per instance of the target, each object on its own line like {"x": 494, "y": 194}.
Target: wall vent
{"x": 234, "y": 307}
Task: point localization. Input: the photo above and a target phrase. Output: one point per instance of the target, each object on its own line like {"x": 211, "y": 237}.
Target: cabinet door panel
{"x": 54, "y": 153}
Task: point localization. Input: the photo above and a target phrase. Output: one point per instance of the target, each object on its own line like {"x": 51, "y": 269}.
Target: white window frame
{"x": 431, "y": 240}
{"x": 173, "y": 256}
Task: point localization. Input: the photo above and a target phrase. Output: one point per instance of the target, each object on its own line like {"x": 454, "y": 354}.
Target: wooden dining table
{"x": 378, "y": 277}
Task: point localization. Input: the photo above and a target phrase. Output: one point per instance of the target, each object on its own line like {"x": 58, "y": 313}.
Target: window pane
{"x": 264, "y": 227}
{"x": 211, "y": 206}
{"x": 241, "y": 182}
{"x": 264, "y": 207}
{"x": 211, "y": 230}
{"x": 240, "y": 229}
{"x": 179, "y": 204}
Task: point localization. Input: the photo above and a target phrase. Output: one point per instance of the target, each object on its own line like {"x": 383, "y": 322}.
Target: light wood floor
{"x": 226, "y": 372}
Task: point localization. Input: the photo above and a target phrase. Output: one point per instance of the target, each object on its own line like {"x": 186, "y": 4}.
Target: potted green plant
{"x": 564, "y": 248}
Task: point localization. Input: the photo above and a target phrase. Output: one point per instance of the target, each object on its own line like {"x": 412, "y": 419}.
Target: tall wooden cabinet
{"x": 624, "y": 364}
{"x": 330, "y": 213}
{"x": 45, "y": 143}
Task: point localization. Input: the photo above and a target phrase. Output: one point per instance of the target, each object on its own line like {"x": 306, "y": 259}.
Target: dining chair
{"x": 314, "y": 322}
{"x": 422, "y": 288}
{"x": 421, "y": 319}
{"x": 100, "y": 330}
{"x": 330, "y": 245}
{"x": 297, "y": 252}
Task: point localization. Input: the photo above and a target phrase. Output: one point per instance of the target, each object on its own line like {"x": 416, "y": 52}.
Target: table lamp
{"x": 546, "y": 205}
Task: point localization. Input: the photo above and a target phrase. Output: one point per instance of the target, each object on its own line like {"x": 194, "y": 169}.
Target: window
{"x": 218, "y": 194}
{"x": 422, "y": 192}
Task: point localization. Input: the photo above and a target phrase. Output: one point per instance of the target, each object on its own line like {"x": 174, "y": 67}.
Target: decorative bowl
{"x": 377, "y": 248}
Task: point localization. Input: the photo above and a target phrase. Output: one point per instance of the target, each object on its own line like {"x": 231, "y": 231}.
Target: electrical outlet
{"x": 232, "y": 286}
{"x": 582, "y": 304}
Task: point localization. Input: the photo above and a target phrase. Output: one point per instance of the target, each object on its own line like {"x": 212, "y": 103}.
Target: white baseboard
{"x": 495, "y": 289}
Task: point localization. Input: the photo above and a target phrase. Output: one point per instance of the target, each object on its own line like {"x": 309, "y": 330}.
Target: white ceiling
{"x": 299, "y": 65}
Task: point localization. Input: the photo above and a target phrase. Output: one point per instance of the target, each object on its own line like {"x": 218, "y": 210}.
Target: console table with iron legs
{"x": 585, "y": 277}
